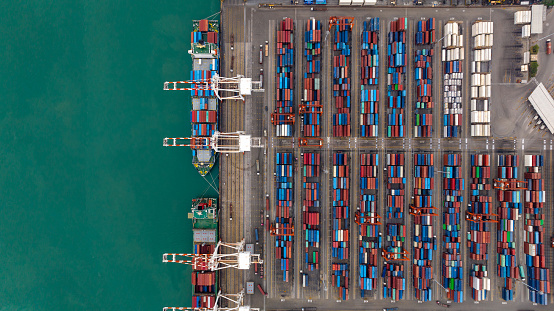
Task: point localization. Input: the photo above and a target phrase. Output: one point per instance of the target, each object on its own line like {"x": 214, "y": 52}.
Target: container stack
{"x": 311, "y": 123}
{"x": 285, "y": 76}
{"x": 522, "y": 17}
{"x": 203, "y": 282}
{"x": 370, "y": 240}
{"x": 424, "y": 241}
{"x": 534, "y": 246}
{"x": 203, "y": 301}
{"x": 396, "y": 183}
{"x": 369, "y": 109}
{"x": 481, "y": 66}
{"x": 423, "y": 117}
{"x": 311, "y": 209}
{"x": 396, "y": 91}
{"x": 341, "y": 77}
{"x": 394, "y": 281}
{"x": 283, "y": 215}
{"x": 395, "y": 231}
{"x": 479, "y": 211}
{"x": 340, "y": 223}
{"x": 203, "y": 33}
{"x": 452, "y": 58}
{"x": 339, "y": 278}
{"x": 508, "y": 213}
{"x": 452, "y": 265}
{"x": 479, "y": 282}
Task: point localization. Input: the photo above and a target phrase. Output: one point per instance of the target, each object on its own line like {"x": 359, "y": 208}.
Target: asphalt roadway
{"x": 241, "y": 186}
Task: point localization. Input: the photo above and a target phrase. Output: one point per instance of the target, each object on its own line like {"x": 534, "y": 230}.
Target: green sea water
{"x": 89, "y": 198}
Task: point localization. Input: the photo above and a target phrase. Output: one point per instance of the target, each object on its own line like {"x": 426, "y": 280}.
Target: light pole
{"x": 445, "y": 289}
{"x": 531, "y": 288}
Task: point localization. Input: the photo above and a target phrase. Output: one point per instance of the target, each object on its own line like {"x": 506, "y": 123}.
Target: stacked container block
{"x": 341, "y": 77}
{"x": 284, "y": 212}
{"x": 452, "y": 265}
{"x": 508, "y": 211}
{"x": 370, "y": 239}
{"x": 203, "y": 301}
{"x": 396, "y": 91}
{"x": 340, "y": 223}
{"x": 424, "y": 241}
{"x": 285, "y": 76}
{"x": 395, "y": 230}
{"x": 311, "y": 125}
{"x": 452, "y": 58}
{"x": 424, "y": 39}
{"x": 479, "y": 282}
{"x": 394, "y": 281}
{"x": 311, "y": 209}
{"x": 481, "y": 66}
{"x": 480, "y": 207}
{"x": 369, "y": 108}
{"x": 203, "y": 282}
{"x": 396, "y": 183}
{"x": 538, "y": 274}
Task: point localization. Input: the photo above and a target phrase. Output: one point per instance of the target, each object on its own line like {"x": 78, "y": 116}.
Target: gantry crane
{"x": 311, "y": 108}
{"x": 422, "y": 211}
{"x": 366, "y": 220}
{"x": 509, "y": 184}
{"x": 238, "y": 86}
{"x": 289, "y": 118}
{"x": 220, "y": 142}
{"x": 395, "y": 256}
{"x": 235, "y": 302}
{"x": 282, "y": 231}
{"x": 237, "y": 258}
{"x": 480, "y": 218}
{"x": 340, "y": 21}
{"x": 310, "y": 142}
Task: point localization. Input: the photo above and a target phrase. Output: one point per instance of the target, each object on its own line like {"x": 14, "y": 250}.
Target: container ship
{"x": 204, "y": 215}
{"x": 204, "y": 114}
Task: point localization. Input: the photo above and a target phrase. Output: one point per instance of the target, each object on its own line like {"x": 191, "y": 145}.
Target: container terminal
{"x": 399, "y": 157}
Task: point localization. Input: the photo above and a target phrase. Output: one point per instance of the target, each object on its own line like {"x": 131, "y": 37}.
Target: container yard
{"x": 373, "y": 189}
{"x": 369, "y": 221}
{"x": 453, "y": 75}
{"x": 369, "y": 91}
{"x": 311, "y": 108}
{"x": 452, "y": 262}
{"x": 283, "y": 228}
{"x": 423, "y": 73}
{"x": 424, "y": 240}
{"x": 340, "y": 232}
{"x": 311, "y": 213}
{"x": 396, "y": 74}
{"x": 342, "y": 36}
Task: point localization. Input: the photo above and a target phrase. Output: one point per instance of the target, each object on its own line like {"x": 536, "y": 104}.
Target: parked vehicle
{"x": 261, "y": 54}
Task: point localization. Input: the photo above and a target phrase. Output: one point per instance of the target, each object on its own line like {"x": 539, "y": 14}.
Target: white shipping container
{"x": 532, "y": 249}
